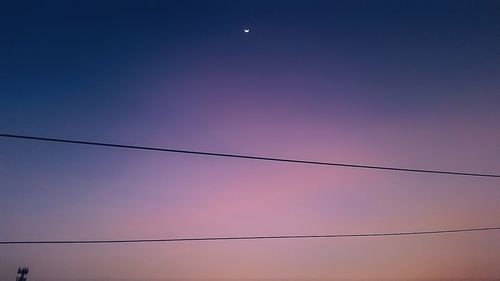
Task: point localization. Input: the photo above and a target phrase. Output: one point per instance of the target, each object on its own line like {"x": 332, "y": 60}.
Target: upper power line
{"x": 242, "y": 156}
{"x": 353, "y": 235}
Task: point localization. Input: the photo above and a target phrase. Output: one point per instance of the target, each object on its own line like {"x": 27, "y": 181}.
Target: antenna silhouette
{"x": 22, "y": 272}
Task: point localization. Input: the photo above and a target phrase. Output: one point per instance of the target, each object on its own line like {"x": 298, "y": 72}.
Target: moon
{"x": 246, "y": 30}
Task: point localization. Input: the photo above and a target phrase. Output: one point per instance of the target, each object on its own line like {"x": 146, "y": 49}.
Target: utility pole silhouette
{"x": 22, "y": 272}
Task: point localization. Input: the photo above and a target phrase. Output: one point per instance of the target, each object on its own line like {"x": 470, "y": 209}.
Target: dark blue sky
{"x": 53, "y": 52}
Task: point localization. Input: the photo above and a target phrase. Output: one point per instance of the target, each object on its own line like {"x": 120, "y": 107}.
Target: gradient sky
{"x": 399, "y": 83}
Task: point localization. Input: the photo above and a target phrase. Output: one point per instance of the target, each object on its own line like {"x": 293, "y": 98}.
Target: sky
{"x": 398, "y": 83}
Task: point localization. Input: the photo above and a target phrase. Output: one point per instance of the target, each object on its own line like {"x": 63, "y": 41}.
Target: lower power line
{"x": 354, "y": 235}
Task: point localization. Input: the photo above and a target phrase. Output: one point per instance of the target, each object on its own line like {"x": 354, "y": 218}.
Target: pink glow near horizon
{"x": 216, "y": 197}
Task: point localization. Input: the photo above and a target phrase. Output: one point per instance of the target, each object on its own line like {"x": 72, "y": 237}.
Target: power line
{"x": 241, "y": 156}
{"x": 354, "y": 235}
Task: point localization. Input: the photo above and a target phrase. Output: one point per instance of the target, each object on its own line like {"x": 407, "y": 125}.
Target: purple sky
{"x": 410, "y": 84}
